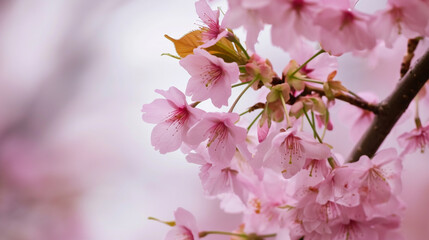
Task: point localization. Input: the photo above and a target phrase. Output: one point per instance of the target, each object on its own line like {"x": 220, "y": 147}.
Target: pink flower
{"x": 356, "y": 118}
{"x": 408, "y": 17}
{"x": 173, "y": 118}
{"x": 417, "y": 138}
{"x": 211, "y": 77}
{"x": 213, "y": 32}
{"x": 289, "y": 152}
{"x": 354, "y": 230}
{"x": 249, "y": 14}
{"x": 293, "y": 19}
{"x": 223, "y": 136}
{"x": 186, "y": 226}
{"x": 344, "y": 30}
{"x": 381, "y": 177}
{"x": 340, "y": 186}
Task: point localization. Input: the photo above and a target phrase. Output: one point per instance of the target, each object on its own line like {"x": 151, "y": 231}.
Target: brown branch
{"x": 411, "y": 47}
{"x": 392, "y": 108}
{"x": 346, "y": 98}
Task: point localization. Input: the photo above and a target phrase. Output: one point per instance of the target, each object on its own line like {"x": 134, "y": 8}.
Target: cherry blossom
{"x": 223, "y": 136}
{"x": 173, "y": 118}
{"x": 417, "y": 138}
{"x": 211, "y": 77}
{"x": 213, "y": 32}
{"x": 344, "y": 30}
{"x": 290, "y": 149}
{"x": 185, "y": 227}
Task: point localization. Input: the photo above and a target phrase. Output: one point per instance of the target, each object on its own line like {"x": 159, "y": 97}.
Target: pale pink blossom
{"x": 354, "y": 230}
{"x": 417, "y": 138}
{"x": 223, "y": 136}
{"x": 408, "y": 17}
{"x": 173, "y": 118}
{"x": 211, "y": 77}
{"x": 213, "y": 31}
{"x": 185, "y": 228}
{"x": 292, "y": 20}
{"x": 249, "y": 14}
{"x": 380, "y": 178}
{"x": 266, "y": 203}
{"x": 357, "y": 119}
{"x": 344, "y": 30}
{"x": 340, "y": 186}
{"x": 290, "y": 149}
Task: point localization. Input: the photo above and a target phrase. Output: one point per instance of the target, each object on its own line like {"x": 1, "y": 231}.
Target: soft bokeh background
{"x": 75, "y": 158}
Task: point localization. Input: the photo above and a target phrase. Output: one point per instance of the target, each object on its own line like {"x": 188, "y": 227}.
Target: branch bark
{"x": 392, "y": 108}
{"x": 352, "y": 100}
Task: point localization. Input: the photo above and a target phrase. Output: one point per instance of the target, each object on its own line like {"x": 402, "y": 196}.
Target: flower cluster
{"x": 284, "y": 180}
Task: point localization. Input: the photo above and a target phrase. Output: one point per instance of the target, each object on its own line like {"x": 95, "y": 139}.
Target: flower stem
{"x": 205, "y": 233}
{"x": 238, "y": 84}
{"x": 308, "y": 80}
{"x": 247, "y": 111}
{"x": 268, "y": 235}
{"x": 171, "y": 55}
{"x": 306, "y": 62}
{"x": 254, "y": 120}
{"x": 242, "y": 93}
{"x": 326, "y": 124}
{"x": 289, "y": 124}
{"x": 169, "y": 223}
{"x": 236, "y": 41}
{"x": 312, "y": 127}
{"x": 417, "y": 115}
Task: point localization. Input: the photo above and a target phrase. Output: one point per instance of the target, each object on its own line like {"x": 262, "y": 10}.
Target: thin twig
{"x": 346, "y": 98}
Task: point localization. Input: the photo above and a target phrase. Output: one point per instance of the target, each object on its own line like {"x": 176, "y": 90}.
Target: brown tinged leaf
{"x": 186, "y": 44}
{"x": 223, "y": 48}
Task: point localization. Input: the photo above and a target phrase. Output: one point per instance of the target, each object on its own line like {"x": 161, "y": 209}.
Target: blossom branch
{"x": 391, "y": 109}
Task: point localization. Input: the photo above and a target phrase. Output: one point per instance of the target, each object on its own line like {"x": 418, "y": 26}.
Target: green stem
{"x": 254, "y": 120}
{"x": 289, "y": 124}
{"x": 205, "y": 233}
{"x": 312, "y": 127}
{"x": 242, "y": 93}
{"x": 331, "y": 162}
{"x": 268, "y": 235}
{"x": 241, "y": 114}
{"x": 306, "y": 62}
{"x": 169, "y": 223}
{"x": 313, "y": 122}
{"x": 326, "y": 124}
{"x": 171, "y": 55}
{"x": 417, "y": 115}
{"x": 238, "y": 84}
{"x": 308, "y": 80}
{"x": 241, "y": 47}
{"x": 226, "y": 48}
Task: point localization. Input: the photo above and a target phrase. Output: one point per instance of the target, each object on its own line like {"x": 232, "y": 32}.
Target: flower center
{"x": 211, "y": 74}
{"x": 218, "y": 133}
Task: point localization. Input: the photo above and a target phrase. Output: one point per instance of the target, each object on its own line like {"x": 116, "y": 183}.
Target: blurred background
{"x": 75, "y": 157}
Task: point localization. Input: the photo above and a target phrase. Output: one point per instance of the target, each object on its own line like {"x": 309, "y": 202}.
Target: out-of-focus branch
{"x": 392, "y": 108}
